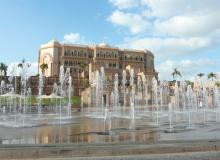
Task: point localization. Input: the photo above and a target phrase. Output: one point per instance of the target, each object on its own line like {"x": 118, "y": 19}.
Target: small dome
{"x": 103, "y": 45}
{"x": 54, "y": 41}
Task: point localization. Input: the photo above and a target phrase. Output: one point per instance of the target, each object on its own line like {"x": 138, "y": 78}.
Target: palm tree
{"x": 212, "y": 75}
{"x": 188, "y": 82}
{"x": 200, "y": 75}
{"x": 83, "y": 66}
{"x": 217, "y": 84}
{"x": 3, "y": 69}
{"x": 43, "y": 67}
{"x": 176, "y": 73}
{"x": 21, "y": 64}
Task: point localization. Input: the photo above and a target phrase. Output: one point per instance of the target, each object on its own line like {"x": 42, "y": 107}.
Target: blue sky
{"x": 181, "y": 33}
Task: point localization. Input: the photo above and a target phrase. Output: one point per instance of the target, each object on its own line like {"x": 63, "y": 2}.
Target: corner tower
{"x": 49, "y": 54}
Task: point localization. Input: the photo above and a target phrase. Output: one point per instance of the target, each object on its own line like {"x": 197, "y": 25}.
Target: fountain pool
{"x": 137, "y": 110}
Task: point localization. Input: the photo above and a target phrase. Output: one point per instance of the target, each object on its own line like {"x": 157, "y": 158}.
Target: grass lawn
{"x": 75, "y": 101}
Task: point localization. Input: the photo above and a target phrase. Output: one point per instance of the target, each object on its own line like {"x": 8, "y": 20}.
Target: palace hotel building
{"x": 79, "y": 57}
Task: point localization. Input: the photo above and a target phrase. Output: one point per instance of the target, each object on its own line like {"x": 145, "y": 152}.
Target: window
{"x": 81, "y": 53}
{"x": 75, "y": 53}
{"x": 66, "y": 63}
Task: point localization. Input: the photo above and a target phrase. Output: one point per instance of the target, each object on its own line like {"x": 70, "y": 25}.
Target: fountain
{"x": 40, "y": 92}
{"x": 17, "y": 109}
{"x": 170, "y": 110}
{"x": 124, "y": 81}
{"x": 127, "y": 107}
{"x": 176, "y": 105}
{"x": 116, "y": 95}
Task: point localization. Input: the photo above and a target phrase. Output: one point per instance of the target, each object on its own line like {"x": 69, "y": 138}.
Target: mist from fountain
{"x": 161, "y": 103}
{"x": 17, "y": 110}
{"x": 145, "y": 92}
{"x": 124, "y": 81}
{"x": 40, "y": 93}
{"x": 182, "y": 101}
{"x": 116, "y": 95}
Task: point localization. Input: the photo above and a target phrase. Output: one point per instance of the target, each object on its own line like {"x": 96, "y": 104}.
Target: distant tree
{"x": 108, "y": 80}
{"x": 188, "y": 82}
{"x": 175, "y": 73}
{"x": 200, "y": 75}
{"x": 21, "y": 64}
{"x": 3, "y": 69}
{"x": 82, "y": 66}
{"x": 217, "y": 84}
{"x": 86, "y": 83}
{"x": 212, "y": 76}
{"x": 43, "y": 67}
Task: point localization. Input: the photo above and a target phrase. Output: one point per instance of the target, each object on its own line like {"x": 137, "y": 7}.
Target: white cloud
{"x": 168, "y": 8}
{"x": 170, "y": 46}
{"x": 134, "y": 22}
{"x": 73, "y": 38}
{"x": 169, "y": 20}
{"x": 169, "y": 17}
{"x": 188, "y": 26}
{"x": 171, "y": 29}
{"x": 124, "y": 4}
